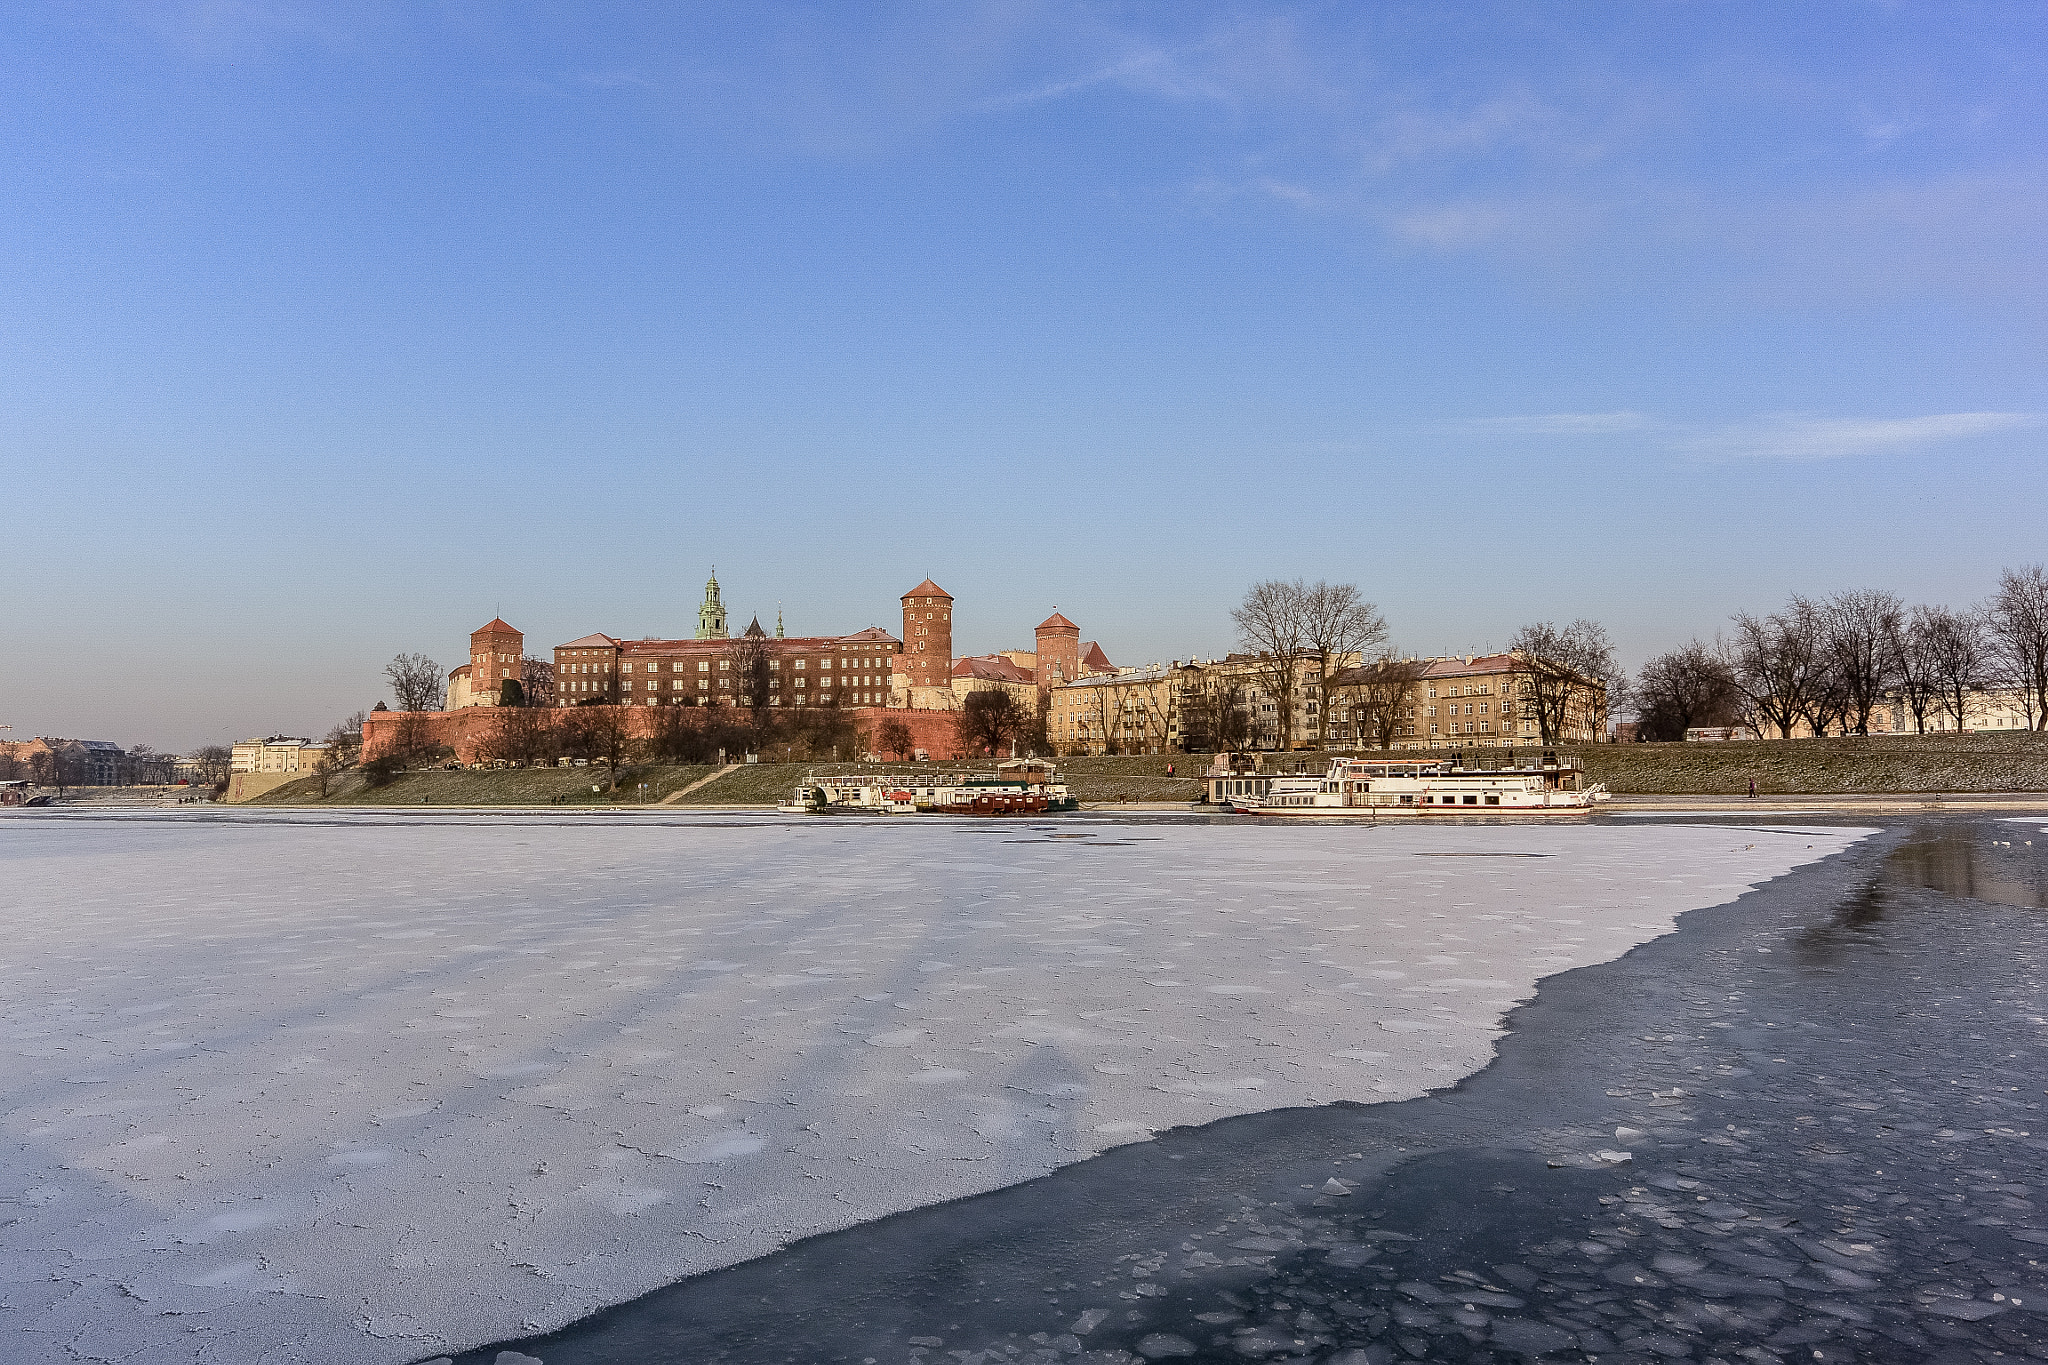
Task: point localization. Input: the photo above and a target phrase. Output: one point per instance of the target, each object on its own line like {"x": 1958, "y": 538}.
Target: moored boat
{"x": 1016, "y": 787}
{"x": 1372, "y": 787}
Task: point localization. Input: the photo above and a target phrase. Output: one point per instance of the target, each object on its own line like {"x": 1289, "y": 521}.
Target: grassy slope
{"x": 1944, "y": 763}
{"x": 505, "y": 787}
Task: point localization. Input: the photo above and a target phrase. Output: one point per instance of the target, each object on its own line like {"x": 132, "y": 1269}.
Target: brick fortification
{"x": 468, "y": 732}
{"x": 1059, "y": 652}
{"x": 928, "y": 635}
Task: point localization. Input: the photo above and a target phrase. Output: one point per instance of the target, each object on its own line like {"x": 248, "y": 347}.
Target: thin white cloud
{"x": 1150, "y": 69}
{"x": 1798, "y": 437}
{"x": 1564, "y": 424}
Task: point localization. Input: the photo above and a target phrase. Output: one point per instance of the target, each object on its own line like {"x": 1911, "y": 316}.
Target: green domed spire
{"x": 711, "y": 616}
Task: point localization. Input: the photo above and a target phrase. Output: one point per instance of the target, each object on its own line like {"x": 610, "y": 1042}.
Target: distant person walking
{"x": 1752, "y": 789}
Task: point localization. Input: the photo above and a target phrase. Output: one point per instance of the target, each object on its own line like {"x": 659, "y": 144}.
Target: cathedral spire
{"x": 711, "y": 616}
{"x": 778, "y": 620}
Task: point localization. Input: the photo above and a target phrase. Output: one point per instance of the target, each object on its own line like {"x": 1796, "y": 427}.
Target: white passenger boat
{"x": 1372, "y": 787}
{"x": 1016, "y": 787}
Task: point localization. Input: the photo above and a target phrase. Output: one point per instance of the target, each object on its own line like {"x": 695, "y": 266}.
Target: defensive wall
{"x": 469, "y": 731}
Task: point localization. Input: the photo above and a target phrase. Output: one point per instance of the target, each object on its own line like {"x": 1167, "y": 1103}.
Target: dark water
{"x": 1973, "y": 863}
{"x": 1831, "y": 1096}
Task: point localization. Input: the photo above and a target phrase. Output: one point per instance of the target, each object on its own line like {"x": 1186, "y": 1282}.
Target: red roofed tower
{"x": 928, "y": 635}
{"x": 1059, "y": 651}
{"x": 494, "y": 653}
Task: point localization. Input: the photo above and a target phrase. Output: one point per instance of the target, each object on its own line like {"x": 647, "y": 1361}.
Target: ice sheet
{"x": 346, "y": 1089}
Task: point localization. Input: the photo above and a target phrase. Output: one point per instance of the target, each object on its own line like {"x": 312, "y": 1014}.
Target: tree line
{"x": 1828, "y": 664}
{"x": 1323, "y": 649}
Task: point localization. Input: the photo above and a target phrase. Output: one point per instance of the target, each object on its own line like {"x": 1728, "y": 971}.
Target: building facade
{"x": 994, "y": 673}
{"x": 1123, "y": 711}
{"x": 275, "y": 754}
{"x": 837, "y": 670}
{"x": 1476, "y": 700}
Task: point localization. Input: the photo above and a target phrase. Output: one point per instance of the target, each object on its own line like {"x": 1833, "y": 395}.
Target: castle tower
{"x": 711, "y": 616}
{"x": 1059, "y": 651}
{"x": 928, "y": 635}
{"x": 494, "y": 660}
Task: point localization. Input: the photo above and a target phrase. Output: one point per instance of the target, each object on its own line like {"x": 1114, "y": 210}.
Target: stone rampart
{"x": 469, "y": 731}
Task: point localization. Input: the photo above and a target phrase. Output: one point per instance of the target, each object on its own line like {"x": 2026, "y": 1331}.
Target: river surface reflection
{"x": 1969, "y": 862}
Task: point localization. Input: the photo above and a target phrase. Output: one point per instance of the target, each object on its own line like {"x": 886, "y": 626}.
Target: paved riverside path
{"x": 1831, "y": 1096}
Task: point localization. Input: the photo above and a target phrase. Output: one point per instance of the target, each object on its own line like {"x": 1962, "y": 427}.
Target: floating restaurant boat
{"x": 1373, "y": 787}
{"x": 1017, "y": 787}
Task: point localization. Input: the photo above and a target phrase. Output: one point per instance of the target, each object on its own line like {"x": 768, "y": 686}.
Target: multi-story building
{"x": 1984, "y": 708}
{"x": 994, "y": 672}
{"x": 1247, "y": 687}
{"x": 67, "y": 762}
{"x": 1123, "y": 711}
{"x": 1466, "y": 701}
{"x": 275, "y": 754}
{"x": 825, "y": 670}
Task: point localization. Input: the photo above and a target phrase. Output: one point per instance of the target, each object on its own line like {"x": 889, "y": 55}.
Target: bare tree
{"x": 748, "y": 658}
{"x": 324, "y": 769}
{"x": 2016, "y": 620}
{"x": 1106, "y": 702}
{"x": 609, "y": 734}
{"x": 1772, "y": 661}
{"x": 1565, "y": 674}
{"x": 1272, "y": 627}
{"x": 215, "y": 761}
{"x": 345, "y": 739}
{"x": 1338, "y": 626}
{"x": 416, "y": 682}
{"x": 989, "y": 721}
{"x": 522, "y": 734}
{"x": 1858, "y": 628}
{"x": 537, "y": 679}
{"x": 1682, "y": 688}
{"x": 1956, "y": 657}
{"x": 895, "y": 738}
{"x": 1914, "y": 667}
{"x": 1380, "y": 694}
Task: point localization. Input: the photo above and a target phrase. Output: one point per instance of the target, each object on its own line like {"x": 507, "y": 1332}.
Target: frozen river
{"x": 363, "y": 1088}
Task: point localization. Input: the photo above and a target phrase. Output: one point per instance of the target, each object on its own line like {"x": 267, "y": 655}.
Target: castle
{"x": 866, "y": 669}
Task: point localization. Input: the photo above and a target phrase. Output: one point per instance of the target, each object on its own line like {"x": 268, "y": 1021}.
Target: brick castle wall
{"x": 468, "y": 732}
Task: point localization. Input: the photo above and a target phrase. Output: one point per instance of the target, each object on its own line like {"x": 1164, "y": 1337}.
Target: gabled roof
{"x": 591, "y": 642}
{"x": 990, "y": 668}
{"x": 754, "y": 630}
{"x": 1058, "y": 622}
{"x": 495, "y": 624}
{"x": 929, "y": 589}
{"x": 873, "y": 634}
{"x": 1093, "y": 657}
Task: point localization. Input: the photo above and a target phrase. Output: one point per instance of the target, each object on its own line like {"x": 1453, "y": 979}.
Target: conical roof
{"x": 1057, "y": 622}
{"x": 929, "y": 589}
{"x": 754, "y": 630}
{"x": 495, "y": 623}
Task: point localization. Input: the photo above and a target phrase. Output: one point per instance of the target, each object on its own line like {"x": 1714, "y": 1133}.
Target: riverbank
{"x": 1950, "y": 767}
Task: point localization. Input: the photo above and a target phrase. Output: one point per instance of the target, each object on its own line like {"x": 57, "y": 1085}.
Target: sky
{"x": 331, "y": 331}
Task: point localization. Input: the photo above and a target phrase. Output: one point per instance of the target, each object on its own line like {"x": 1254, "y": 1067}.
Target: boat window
{"x": 1471, "y": 800}
{"x": 1492, "y": 800}
{"x": 1407, "y": 799}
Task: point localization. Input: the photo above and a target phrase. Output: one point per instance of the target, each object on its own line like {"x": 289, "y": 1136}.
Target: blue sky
{"x": 330, "y": 331}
